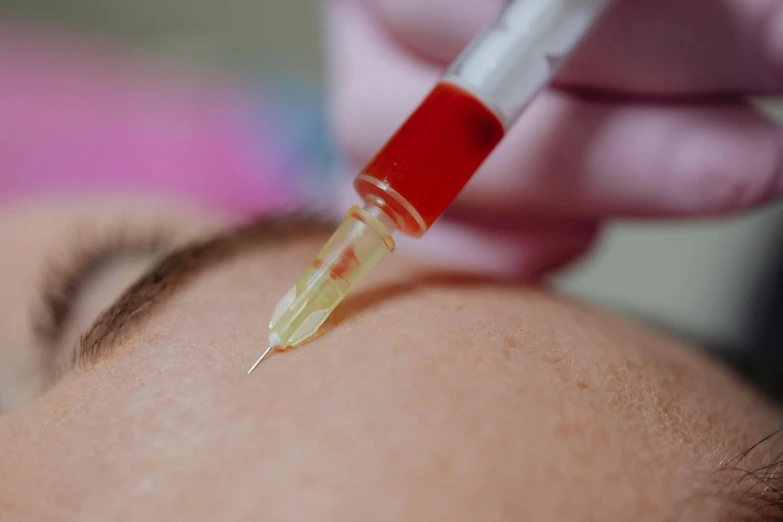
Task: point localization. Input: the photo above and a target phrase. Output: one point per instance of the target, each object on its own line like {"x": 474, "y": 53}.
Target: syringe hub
{"x": 363, "y": 239}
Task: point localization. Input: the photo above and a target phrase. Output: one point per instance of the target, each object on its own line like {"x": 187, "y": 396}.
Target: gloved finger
{"x": 502, "y": 246}
{"x": 643, "y": 46}
{"x": 676, "y": 47}
{"x": 574, "y": 157}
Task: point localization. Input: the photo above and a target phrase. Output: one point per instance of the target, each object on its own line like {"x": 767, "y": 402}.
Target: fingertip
{"x": 525, "y": 253}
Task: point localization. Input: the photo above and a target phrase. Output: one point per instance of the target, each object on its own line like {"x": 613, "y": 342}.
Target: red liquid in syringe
{"x": 432, "y": 156}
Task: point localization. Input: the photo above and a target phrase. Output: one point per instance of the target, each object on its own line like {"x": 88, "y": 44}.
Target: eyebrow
{"x": 755, "y": 492}
{"x": 181, "y": 267}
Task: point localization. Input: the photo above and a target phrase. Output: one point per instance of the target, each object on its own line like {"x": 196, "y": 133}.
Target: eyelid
{"x": 67, "y": 272}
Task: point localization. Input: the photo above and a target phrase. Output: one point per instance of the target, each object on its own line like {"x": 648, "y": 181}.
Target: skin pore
{"x": 430, "y": 396}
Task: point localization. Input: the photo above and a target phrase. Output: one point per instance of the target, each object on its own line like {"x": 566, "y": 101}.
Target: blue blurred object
{"x": 305, "y": 147}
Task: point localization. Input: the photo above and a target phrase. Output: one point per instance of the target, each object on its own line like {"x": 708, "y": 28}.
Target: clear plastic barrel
{"x": 508, "y": 64}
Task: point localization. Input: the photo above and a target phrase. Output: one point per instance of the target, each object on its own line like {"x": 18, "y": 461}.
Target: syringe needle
{"x": 263, "y": 355}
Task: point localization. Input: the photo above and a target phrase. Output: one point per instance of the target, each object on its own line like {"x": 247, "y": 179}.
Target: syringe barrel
{"x": 428, "y": 161}
{"x": 423, "y": 167}
{"x": 510, "y": 62}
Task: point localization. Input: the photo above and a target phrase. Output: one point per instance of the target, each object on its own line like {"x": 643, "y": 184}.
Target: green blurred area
{"x": 238, "y": 36}
{"x": 774, "y": 108}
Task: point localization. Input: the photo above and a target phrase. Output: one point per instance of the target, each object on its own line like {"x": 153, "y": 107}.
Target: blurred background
{"x": 706, "y": 282}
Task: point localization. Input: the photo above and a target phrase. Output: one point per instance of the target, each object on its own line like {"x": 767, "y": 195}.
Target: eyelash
{"x": 65, "y": 275}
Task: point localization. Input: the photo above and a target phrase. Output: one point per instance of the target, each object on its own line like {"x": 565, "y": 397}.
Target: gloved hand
{"x": 647, "y": 121}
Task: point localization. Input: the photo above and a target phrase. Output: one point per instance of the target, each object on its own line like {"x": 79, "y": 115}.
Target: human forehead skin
{"x": 430, "y": 397}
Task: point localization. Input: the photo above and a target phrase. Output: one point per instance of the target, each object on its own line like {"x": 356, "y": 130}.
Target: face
{"x": 429, "y": 396}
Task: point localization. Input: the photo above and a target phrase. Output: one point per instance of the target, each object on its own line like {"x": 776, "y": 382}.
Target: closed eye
{"x": 68, "y": 272}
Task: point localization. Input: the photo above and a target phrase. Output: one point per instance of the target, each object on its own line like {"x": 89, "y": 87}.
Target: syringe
{"x": 428, "y": 161}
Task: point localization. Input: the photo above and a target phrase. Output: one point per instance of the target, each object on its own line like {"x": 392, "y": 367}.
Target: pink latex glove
{"x": 647, "y": 121}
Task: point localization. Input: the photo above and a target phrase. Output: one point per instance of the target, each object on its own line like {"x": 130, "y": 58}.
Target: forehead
{"x": 441, "y": 395}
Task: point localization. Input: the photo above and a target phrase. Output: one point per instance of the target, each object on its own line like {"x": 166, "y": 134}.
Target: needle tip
{"x": 263, "y": 356}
